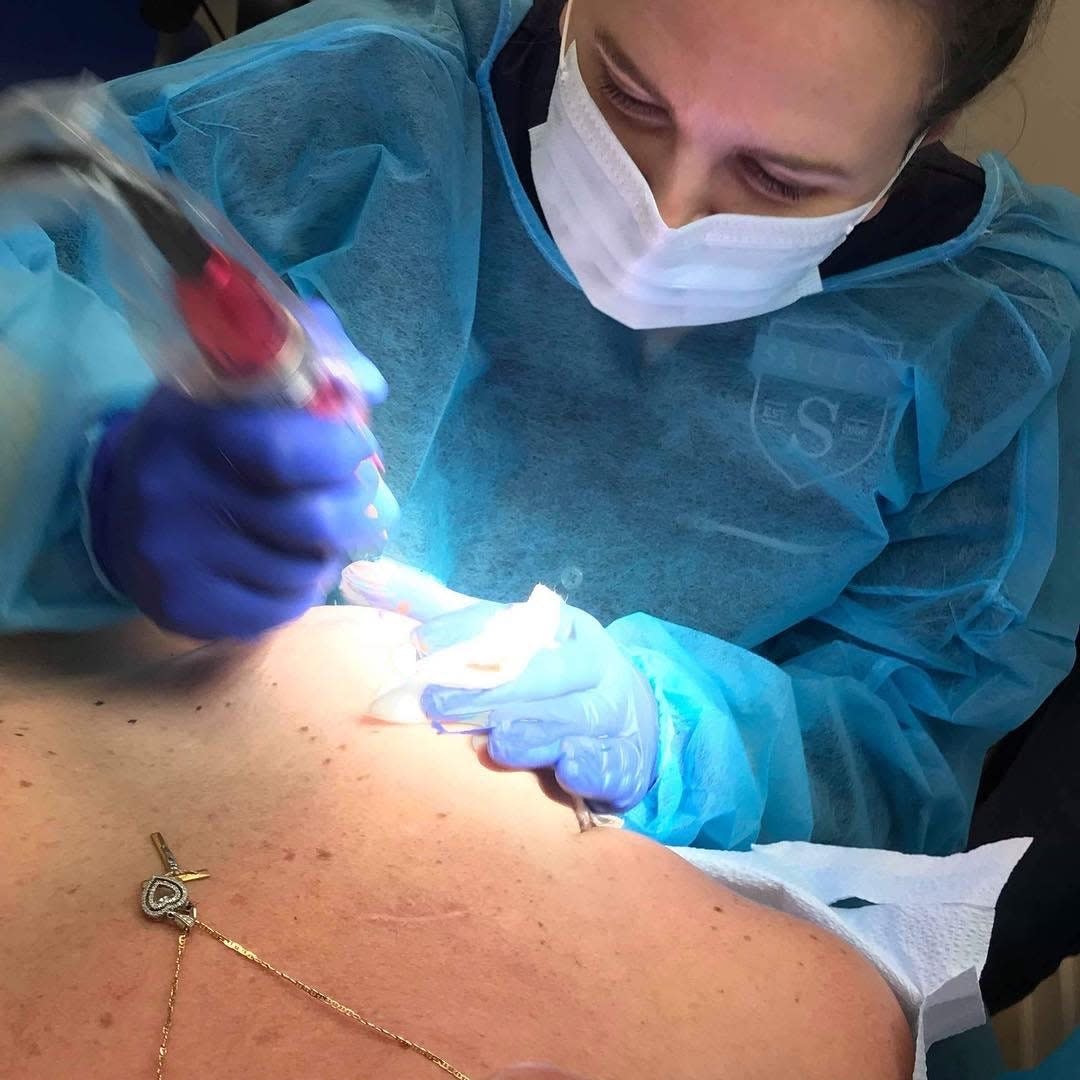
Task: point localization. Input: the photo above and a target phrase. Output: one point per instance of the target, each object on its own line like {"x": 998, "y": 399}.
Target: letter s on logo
{"x": 821, "y": 433}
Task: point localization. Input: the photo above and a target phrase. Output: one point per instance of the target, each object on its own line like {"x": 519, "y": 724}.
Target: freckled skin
{"x": 502, "y": 909}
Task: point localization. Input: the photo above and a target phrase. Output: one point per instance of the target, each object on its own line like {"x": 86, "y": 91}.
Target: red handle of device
{"x": 239, "y": 329}
{"x": 242, "y": 332}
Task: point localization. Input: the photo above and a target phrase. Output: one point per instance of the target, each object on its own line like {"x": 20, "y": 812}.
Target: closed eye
{"x": 632, "y": 106}
{"x": 764, "y": 181}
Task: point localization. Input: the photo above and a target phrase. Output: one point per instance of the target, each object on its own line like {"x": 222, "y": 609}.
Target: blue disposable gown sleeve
{"x": 368, "y": 200}
{"x": 67, "y": 361}
{"x": 868, "y": 725}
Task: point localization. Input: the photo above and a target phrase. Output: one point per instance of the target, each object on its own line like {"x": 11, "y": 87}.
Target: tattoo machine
{"x": 211, "y": 318}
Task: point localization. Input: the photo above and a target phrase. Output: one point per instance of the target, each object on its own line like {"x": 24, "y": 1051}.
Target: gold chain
{"x": 177, "y": 907}
{"x": 163, "y": 1049}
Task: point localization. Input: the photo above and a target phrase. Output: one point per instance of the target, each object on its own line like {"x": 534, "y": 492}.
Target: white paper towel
{"x": 497, "y": 655}
{"x": 926, "y": 924}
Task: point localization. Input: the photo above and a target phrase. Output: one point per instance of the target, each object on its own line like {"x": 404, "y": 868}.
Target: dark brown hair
{"x": 979, "y": 40}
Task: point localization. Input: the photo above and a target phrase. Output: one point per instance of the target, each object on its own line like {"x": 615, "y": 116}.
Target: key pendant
{"x": 166, "y": 898}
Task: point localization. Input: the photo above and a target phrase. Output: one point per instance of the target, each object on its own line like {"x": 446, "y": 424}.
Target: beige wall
{"x": 1033, "y": 114}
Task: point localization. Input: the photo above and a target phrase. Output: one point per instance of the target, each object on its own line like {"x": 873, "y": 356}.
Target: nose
{"x": 682, "y": 188}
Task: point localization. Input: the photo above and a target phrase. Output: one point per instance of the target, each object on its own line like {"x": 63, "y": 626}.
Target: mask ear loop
{"x": 915, "y": 146}
{"x": 565, "y": 32}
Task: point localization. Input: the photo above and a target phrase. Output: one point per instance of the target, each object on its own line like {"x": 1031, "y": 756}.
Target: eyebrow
{"x": 615, "y": 56}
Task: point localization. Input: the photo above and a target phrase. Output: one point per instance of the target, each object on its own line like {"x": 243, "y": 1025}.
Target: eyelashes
{"x": 754, "y": 174}
{"x": 628, "y": 103}
{"x": 765, "y": 179}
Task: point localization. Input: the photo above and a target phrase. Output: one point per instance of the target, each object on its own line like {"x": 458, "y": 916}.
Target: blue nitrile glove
{"x": 582, "y": 709}
{"x": 225, "y": 521}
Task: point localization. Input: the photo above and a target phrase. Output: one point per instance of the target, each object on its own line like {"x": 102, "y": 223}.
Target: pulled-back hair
{"x": 979, "y": 39}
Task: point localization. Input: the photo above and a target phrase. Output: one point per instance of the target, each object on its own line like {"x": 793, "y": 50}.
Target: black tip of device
{"x": 160, "y": 218}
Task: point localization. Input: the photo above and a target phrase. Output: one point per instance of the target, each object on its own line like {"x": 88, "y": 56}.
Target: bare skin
{"x": 797, "y": 108}
{"x": 458, "y": 905}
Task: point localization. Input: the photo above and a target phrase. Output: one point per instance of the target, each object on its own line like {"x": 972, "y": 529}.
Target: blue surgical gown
{"x": 839, "y": 540}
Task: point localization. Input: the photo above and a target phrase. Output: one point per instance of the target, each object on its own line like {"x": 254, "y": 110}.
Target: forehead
{"x": 843, "y": 76}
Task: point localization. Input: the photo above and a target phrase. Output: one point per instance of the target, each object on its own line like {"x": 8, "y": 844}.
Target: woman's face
{"x": 781, "y": 107}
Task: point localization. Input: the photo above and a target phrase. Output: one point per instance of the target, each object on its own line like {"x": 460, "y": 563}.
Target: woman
{"x": 456, "y": 905}
{"x": 665, "y": 331}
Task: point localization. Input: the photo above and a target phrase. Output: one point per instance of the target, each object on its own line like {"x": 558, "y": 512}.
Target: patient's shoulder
{"x": 769, "y": 994}
{"x": 874, "y": 1039}
{"x": 845, "y": 1021}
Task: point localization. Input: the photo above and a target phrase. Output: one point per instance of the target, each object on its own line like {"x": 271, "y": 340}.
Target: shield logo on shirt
{"x": 819, "y": 411}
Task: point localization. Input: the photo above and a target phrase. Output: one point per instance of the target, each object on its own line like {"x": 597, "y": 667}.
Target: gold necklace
{"x": 165, "y": 896}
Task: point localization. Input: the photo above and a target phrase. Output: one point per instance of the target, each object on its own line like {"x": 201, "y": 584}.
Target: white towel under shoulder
{"x": 924, "y": 922}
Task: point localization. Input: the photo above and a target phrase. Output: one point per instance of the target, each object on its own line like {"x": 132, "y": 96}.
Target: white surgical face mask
{"x": 630, "y": 263}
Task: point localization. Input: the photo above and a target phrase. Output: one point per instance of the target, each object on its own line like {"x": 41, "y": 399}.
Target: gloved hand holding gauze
{"x": 499, "y": 653}
{"x": 546, "y": 682}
